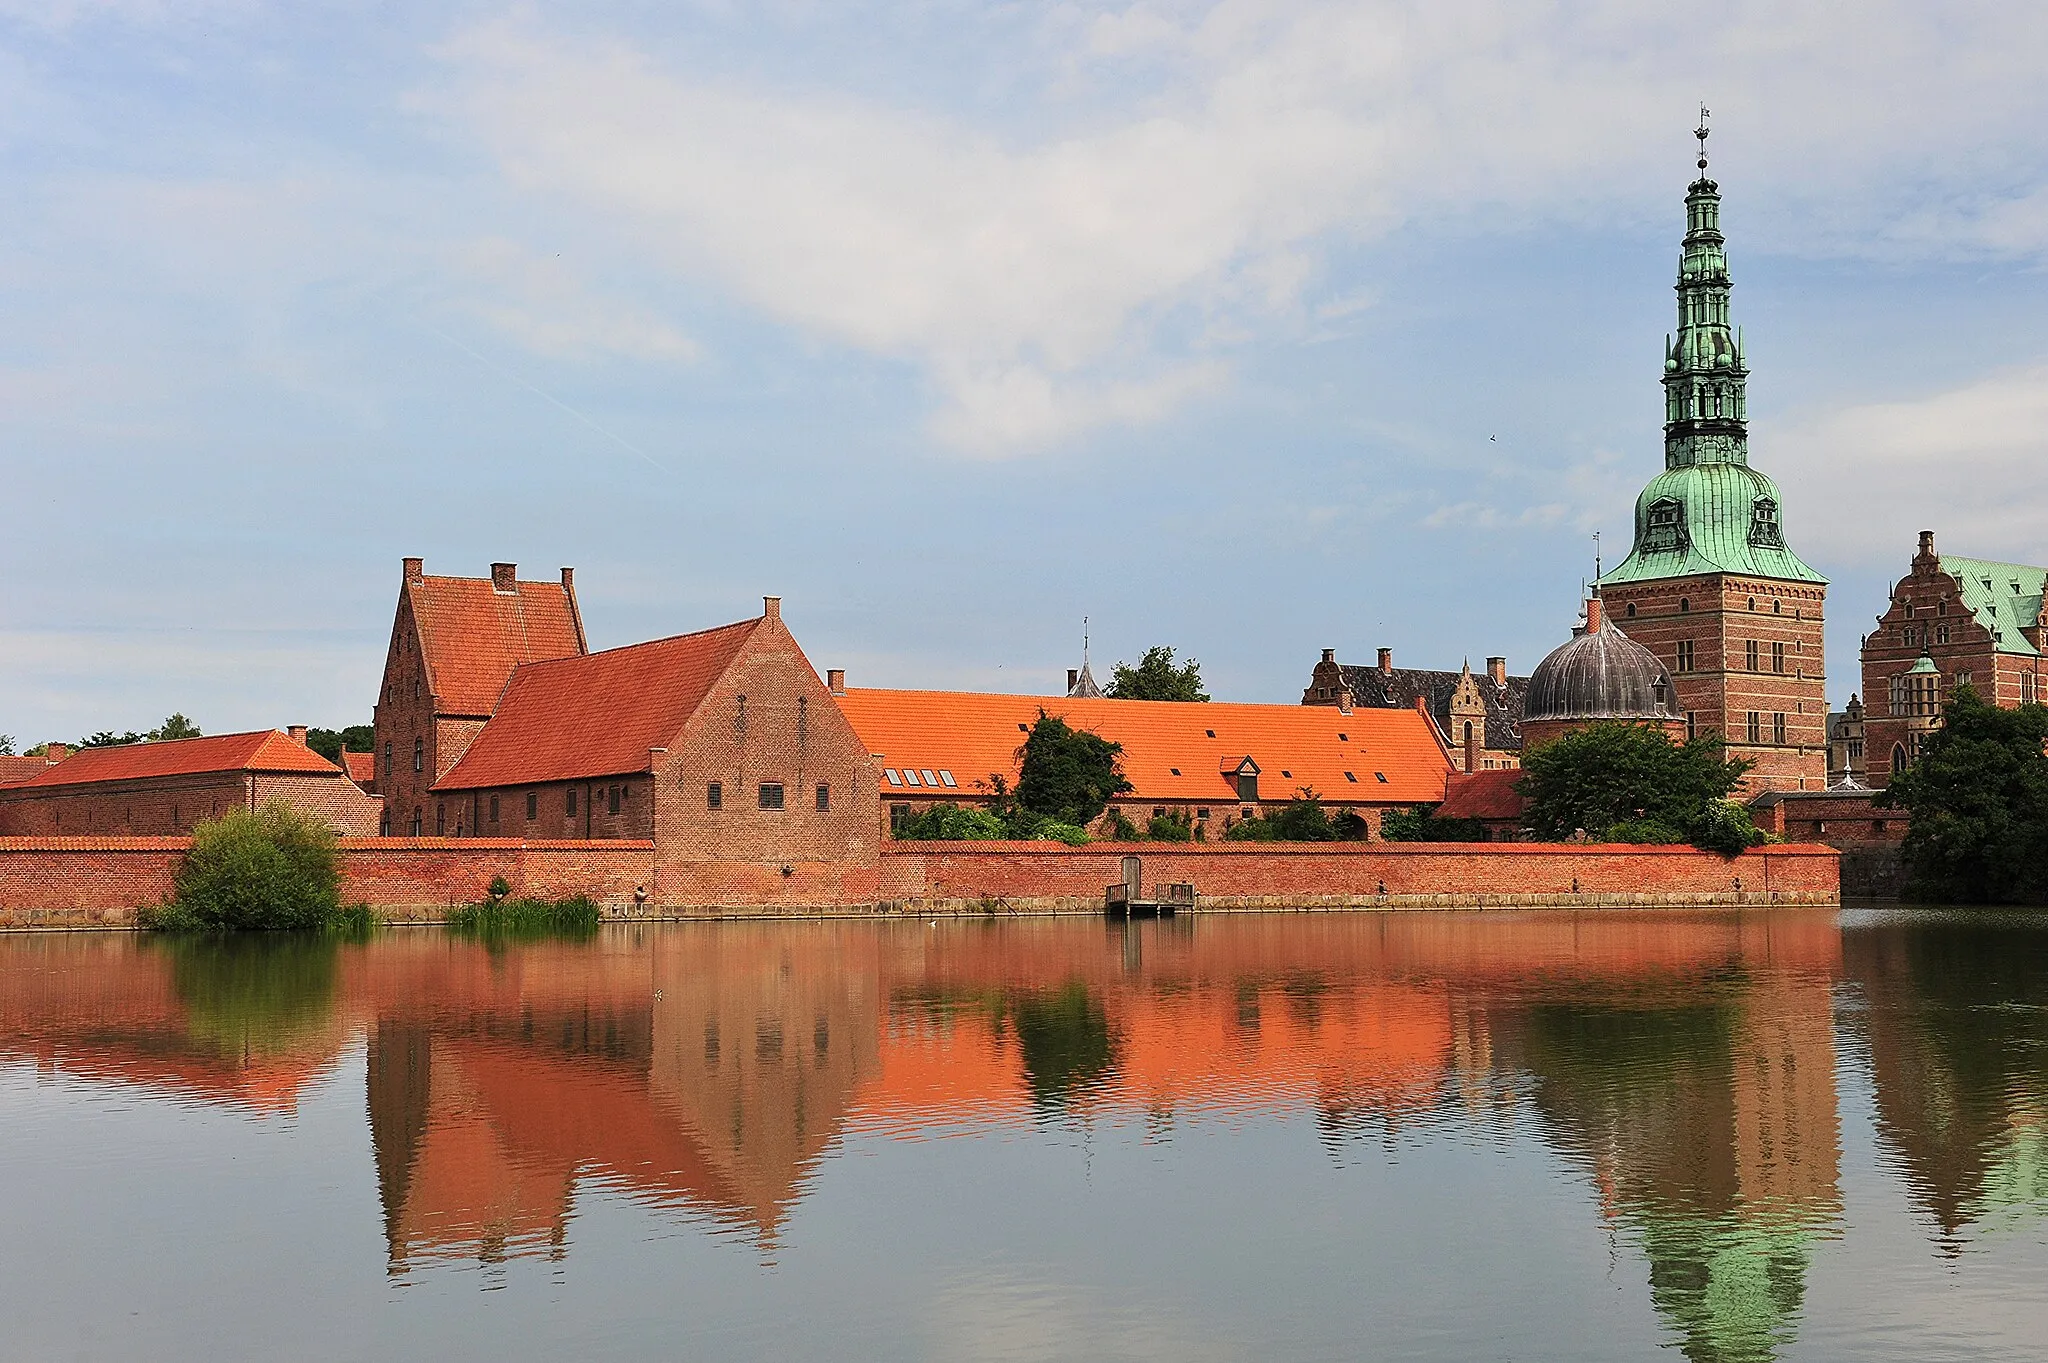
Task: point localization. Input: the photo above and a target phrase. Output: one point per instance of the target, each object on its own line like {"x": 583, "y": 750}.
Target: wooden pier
{"x": 1126, "y": 898}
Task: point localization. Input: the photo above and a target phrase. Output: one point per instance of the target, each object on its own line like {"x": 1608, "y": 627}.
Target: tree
{"x": 1978, "y": 797}
{"x": 951, "y": 823}
{"x": 6, "y": 745}
{"x": 174, "y": 726}
{"x": 256, "y": 870}
{"x": 1420, "y": 823}
{"x": 332, "y": 743}
{"x": 1066, "y": 774}
{"x": 1302, "y": 819}
{"x": 1617, "y": 773}
{"x": 107, "y": 738}
{"x": 1157, "y": 678}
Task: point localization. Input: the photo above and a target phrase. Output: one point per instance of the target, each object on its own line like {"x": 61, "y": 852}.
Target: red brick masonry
{"x": 98, "y": 882}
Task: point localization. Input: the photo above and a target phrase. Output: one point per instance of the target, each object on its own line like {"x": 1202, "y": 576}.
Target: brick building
{"x": 722, "y": 747}
{"x": 1215, "y": 763}
{"x": 1478, "y": 717}
{"x": 1950, "y": 622}
{"x": 454, "y": 644}
{"x": 168, "y": 787}
{"x": 1709, "y": 584}
{"x": 16, "y": 770}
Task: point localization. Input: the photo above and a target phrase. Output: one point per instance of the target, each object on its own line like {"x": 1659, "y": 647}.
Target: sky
{"x": 1252, "y": 327}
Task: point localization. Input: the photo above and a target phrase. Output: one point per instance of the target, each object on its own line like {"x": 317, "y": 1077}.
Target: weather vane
{"x": 1596, "y": 558}
{"x": 1701, "y": 133}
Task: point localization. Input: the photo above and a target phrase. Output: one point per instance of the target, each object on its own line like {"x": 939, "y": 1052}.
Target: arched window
{"x": 1684, "y": 605}
{"x": 1630, "y": 610}
{"x": 1898, "y": 758}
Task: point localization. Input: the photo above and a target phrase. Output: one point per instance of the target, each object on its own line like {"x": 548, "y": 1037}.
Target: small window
{"x": 1755, "y": 727}
{"x": 569, "y": 802}
{"x": 1201, "y": 813}
{"x": 714, "y": 795}
{"x": 611, "y": 799}
{"x": 771, "y": 795}
{"x": 532, "y": 805}
{"x": 441, "y": 818}
{"x": 1630, "y": 610}
{"x": 1778, "y": 728}
{"x": 1174, "y": 770}
{"x": 894, "y": 779}
{"x": 1288, "y": 774}
{"x": 1749, "y": 651}
{"x": 419, "y": 754}
{"x": 1343, "y": 738}
{"x": 898, "y": 816}
{"x": 494, "y": 809}
{"x": 1210, "y": 732}
{"x": 1381, "y": 776}
{"x": 909, "y": 777}
{"x": 1684, "y": 605}
{"x": 946, "y": 779}
{"x": 416, "y": 821}
{"x": 383, "y": 823}
{"x": 1247, "y": 787}
{"x": 1023, "y": 728}
{"x": 387, "y": 757}
{"x": 824, "y": 798}
{"x": 1664, "y": 526}
{"x": 1159, "y": 811}
{"x": 931, "y": 778}
{"x": 1351, "y": 777}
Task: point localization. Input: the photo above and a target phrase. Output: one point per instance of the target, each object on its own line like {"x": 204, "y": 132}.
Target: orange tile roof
{"x": 1482, "y": 795}
{"x": 360, "y": 766}
{"x": 1172, "y": 750}
{"x": 473, "y": 635}
{"x": 597, "y": 714}
{"x": 263, "y": 750}
{"x": 15, "y": 770}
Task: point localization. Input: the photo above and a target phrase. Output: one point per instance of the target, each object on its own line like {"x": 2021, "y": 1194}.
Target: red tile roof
{"x": 1342, "y": 757}
{"x": 473, "y": 635}
{"x": 360, "y": 766}
{"x": 1482, "y": 795}
{"x": 598, "y": 714}
{"x": 263, "y": 750}
{"x": 15, "y": 770}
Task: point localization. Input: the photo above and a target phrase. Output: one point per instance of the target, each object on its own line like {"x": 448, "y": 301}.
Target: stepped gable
{"x": 1399, "y": 688}
{"x": 475, "y": 631}
{"x": 264, "y": 750}
{"x": 596, "y": 714}
{"x": 1172, "y": 750}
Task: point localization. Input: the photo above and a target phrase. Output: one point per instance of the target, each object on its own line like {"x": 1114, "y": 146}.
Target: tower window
{"x": 1630, "y": 610}
{"x": 1763, "y": 525}
{"x": 1749, "y": 650}
{"x": 1685, "y": 655}
{"x": 1684, "y": 605}
{"x": 1777, "y": 657}
{"x": 1664, "y": 526}
{"x": 1777, "y": 728}
{"x": 1755, "y": 727}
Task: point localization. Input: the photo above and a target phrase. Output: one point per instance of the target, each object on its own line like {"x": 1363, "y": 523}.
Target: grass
{"x": 575, "y": 916}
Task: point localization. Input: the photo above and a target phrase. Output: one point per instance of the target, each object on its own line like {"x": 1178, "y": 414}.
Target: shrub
{"x": 1073, "y": 835}
{"x": 1117, "y": 826}
{"x": 1421, "y": 824}
{"x": 271, "y": 869}
{"x": 1724, "y": 827}
{"x": 1174, "y": 827}
{"x": 1642, "y": 831}
{"x": 502, "y": 919}
{"x": 951, "y": 823}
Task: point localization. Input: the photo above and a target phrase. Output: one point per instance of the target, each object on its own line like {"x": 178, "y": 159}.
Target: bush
{"x": 267, "y": 870}
{"x": 1073, "y": 835}
{"x": 1420, "y": 823}
{"x": 1725, "y": 827}
{"x": 1642, "y": 831}
{"x": 502, "y": 918}
{"x": 1117, "y": 826}
{"x": 1302, "y": 819}
{"x": 951, "y": 823}
{"x": 1174, "y": 827}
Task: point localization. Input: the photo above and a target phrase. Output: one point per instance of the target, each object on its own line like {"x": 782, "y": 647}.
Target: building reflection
{"x": 1684, "y": 1065}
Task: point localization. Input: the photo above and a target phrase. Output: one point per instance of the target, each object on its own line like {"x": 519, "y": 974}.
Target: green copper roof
{"x": 1709, "y": 511}
{"x": 2005, "y": 597}
{"x": 1710, "y": 518}
{"x": 1924, "y": 664}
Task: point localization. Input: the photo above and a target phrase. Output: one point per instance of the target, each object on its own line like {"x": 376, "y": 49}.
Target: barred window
{"x": 771, "y": 795}
{"x": 714, "y": 795}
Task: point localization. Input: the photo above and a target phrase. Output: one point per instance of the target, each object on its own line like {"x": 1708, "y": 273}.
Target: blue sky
{"x": 1251, "y": 328}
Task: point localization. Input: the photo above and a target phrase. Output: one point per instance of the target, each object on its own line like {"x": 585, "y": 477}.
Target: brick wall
{"x": 1041, "y": 875}
{"x": 1719, "y": 615}
{"x": 172, "y": 805}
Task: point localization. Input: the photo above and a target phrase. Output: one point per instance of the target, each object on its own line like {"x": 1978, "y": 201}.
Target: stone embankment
{"x": 100, "y": 882}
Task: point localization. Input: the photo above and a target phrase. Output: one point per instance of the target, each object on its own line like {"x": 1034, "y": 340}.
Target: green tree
{"x": 1156, "y": 677}
{"x": 175, "y": 725}
{"x": 1618, "y": 773}
{"x": 6, "y": 745}
{"x": 1066, "y": 774}
{"x": 1978, "y": 796}
{"x": 107, "y": 738}
{"x": 256, "y": 870}
{"x": 332, "y": 743}
{"x": 951, "y": 823}
{"x": 1302, "y": 819}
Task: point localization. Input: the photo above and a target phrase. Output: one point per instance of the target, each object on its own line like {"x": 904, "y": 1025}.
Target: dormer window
{"x": 1763, "y": 525}
{"x": 1664, "y": 526}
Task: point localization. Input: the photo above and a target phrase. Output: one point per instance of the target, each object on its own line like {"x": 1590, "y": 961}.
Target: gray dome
{"x": 1599, "y": 674}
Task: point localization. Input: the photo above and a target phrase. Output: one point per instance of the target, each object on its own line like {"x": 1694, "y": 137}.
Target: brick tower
{"x": 1709, "y": 585}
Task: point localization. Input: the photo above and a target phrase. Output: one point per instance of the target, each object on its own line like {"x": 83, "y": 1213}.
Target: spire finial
{"x": 1596, "y": 561}
{"x": 1084, "y": 641}
{"x": 1701, "y": 133}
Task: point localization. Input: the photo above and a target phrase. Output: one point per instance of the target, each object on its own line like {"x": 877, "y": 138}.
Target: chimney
{"x": 771, "y": 608}
{"x": 835, "y": 680}
{"x": 1329, "y": 655}
{"x": 1387, "y": 660}
{"x": 568, "y": 579}
{"x": 57, "y": 752}
{"x": 1925, "y": 559}
{"x": 504, "y": 577}
{"x": 415, "y": 569}
{"x": 296, "y": 733}
{"x": 1073, "y": 679}
{"x": 1497, "y": 671}
{"x": 1593, "y": 615}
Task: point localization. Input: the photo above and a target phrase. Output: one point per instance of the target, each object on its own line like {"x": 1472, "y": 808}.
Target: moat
{"x": 1771, "y": 1134}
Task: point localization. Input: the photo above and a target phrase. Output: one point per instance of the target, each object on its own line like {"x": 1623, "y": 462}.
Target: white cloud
{"x": 1055, "y": 278}
{"x": 541, "y": 304}
{"x": 1965, "y": 463}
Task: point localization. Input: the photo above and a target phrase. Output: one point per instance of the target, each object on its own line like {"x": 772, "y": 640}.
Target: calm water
{"x": 1795, "y": 1135}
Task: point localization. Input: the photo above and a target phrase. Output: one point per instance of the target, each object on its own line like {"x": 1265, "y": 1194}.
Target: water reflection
{"x": 1682, "y": 1067}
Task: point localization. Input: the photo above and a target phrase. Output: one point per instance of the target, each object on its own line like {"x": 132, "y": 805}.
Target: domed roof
{"x": 1600, "y": 673}
{"x": 1710, "y": 518}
